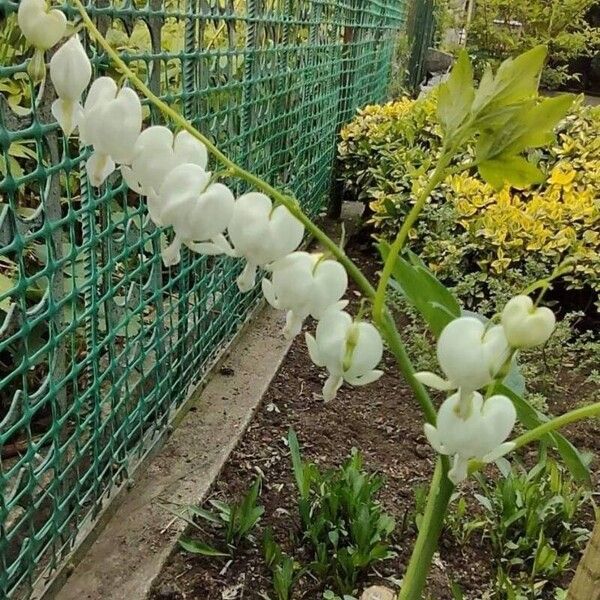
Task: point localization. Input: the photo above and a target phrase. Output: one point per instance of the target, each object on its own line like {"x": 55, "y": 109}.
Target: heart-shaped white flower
{"x": 480, "y": 435}
{"x": 70, "y": 72}
{"x": 525, "y": 325}
{"x": 198, "y": 211}
{"x": 261, "y": 234}
{"x": 469, "y": 355}
{"x": 112, "y": 121}
{"x": 305, "y": 284}
{"x": 156, "y": 152}
{"x": 41, "y": 27}
{"x": 349, "y": 350}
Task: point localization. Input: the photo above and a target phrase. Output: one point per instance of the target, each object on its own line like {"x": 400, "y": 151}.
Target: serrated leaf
{"x": 531, "y": 126}
{"x": 196, "y": 547}
{"x": 517, "y": 171}
{"x": 456, "y": 95}
{"x": 516, "y": 80}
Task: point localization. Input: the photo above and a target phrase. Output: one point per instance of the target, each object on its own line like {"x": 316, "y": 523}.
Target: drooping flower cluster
{"x": 203, "y": 213}
{"x": 472, "y": 356}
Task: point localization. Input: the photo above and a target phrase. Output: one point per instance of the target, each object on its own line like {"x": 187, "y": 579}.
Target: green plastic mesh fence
{"x": 99, "y": 342}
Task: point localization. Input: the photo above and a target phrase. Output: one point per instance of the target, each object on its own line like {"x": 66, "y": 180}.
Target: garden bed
{"x": 385, "y": 424}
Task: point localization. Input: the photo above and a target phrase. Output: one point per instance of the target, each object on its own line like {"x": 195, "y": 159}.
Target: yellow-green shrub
{"x": 499, "y": 239}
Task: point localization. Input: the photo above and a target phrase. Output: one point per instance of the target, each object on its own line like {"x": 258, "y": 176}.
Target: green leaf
{"x": 457, "y": 593}
{"x": 197, "y": 511}
{"x": 436, "y": 304}
{"x": 545, "y": 558}
{"x": 300, "y": 472}
{"x": 456, "y": 95}
{"x": 516, "y": 80}
{"x": 531, "y": 418}
{"x": 537, "y": 123}
{"x": 529, "y": 126}
{"x": 196, "y": 547}
{"x": 514, "y": 170}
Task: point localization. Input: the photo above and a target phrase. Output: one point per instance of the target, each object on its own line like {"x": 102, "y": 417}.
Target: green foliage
{"x": 502, "y": 28}
{"x": 485, "y": 242}
{"x": 341, "y": 519}
{"x": 236, "y": 521}
{"x": 283, "y": 567}
{"x": 434, "y": 302}
{"x": 530, "y": 518}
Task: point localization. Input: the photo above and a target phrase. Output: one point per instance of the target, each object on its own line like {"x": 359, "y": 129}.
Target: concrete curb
{"x": 131, "y": 550}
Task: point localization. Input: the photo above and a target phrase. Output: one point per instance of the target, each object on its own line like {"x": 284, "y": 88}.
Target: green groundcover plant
{"x": 502, "y": 120}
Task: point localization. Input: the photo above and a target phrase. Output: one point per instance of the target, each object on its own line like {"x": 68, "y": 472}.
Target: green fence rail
{"x": 99, "y": 342}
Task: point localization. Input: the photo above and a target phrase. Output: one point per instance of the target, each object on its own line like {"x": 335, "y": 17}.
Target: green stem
{"x": 585, "y": 412}
{"x": 388, "y": 329}
{"x": 438, "y": 175}
{"x": 234, "y": 168}
{"x": 537, "y": 433}
{"x": 430, "y": 529}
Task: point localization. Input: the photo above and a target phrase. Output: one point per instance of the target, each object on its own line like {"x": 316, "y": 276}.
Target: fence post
{"x": 421, "y": 29}
{"x": 586, "y": 583}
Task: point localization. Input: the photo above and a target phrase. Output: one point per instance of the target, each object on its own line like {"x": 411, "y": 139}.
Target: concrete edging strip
{"x": 131, "y": 550}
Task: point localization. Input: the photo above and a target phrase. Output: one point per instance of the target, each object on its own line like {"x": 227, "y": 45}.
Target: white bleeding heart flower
{"x": 70, "y": 72}
{"x": 525, "y": 325}
{"x": 305, "y": 284}
{"x": 111, "y": 123}
{"x": 479, "y": 435}
{"x": 261, "y": 234}
{"x": 349, "y": 350}
{"x": 156, "y": 152}
{"x": 469, "y": 355}
{"x": 42, "y": 28}
{"x": 198, "y": 211}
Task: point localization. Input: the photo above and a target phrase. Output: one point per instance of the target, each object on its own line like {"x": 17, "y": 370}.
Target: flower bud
{"x": 70, "y": 72}
{"x": 480, "y": 435}
{"x": 155, "y": 154}
{"x": 261, "y": 234}
{"x": 304, "y": 284}
{"x": 199, "y": 212}
{"x": 526, "y": 326}
{"x": 112, "y": 121}
{"x": 349, "y": 350}
{"x": 469, "y": 355}
{"x": 41, "y": 27}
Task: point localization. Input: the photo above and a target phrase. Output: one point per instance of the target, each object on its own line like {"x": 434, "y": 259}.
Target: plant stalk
{"x": 438, "y": 175}
{"x": 585, "y": 412}
{"x": 430, "y": 529}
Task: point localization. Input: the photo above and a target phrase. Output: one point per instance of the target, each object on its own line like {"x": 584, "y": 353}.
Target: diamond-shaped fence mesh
{"x": 99, "y": 342}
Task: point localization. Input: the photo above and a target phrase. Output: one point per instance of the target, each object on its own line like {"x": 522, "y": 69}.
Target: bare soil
{"x": 384, "y": 422}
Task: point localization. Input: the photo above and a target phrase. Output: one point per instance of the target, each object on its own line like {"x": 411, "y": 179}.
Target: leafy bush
{"x": 341, "y": 519}
{"x": 480, "y": 232}
{"x": 503, "y": 28}
{"x": 530, "y": 519}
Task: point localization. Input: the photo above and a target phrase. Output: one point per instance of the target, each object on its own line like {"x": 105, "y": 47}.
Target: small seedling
{"x": 236, "y": 521}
